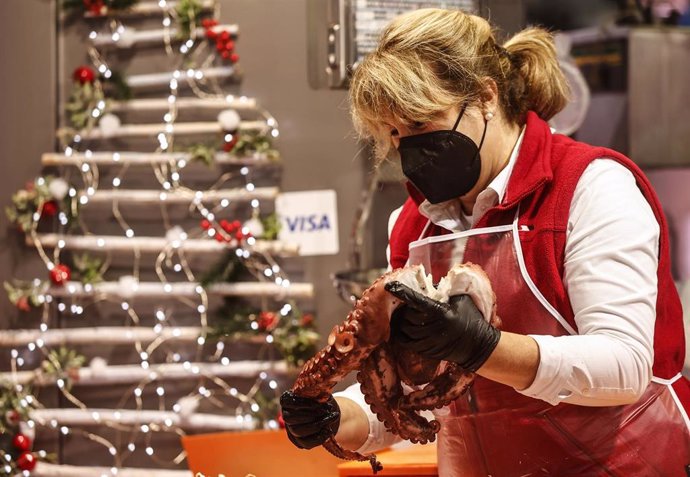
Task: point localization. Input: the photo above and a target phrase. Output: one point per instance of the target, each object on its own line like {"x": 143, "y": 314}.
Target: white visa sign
{"x": 309, "y": 219}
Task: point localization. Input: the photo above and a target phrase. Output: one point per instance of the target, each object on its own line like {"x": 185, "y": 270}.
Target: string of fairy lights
{"x": 172, "y": 259}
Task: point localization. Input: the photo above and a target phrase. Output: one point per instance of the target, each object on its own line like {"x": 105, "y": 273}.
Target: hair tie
{"x": 502, "y": 51}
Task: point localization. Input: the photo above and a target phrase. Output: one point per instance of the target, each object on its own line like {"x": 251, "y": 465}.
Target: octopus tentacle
{"x": 443, "y": 389}
{"x": 334, "y": 448}
{"x": 381, "y": 387}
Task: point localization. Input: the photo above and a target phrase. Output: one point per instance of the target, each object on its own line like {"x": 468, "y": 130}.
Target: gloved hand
{"x": 454, "y": 331}
{"x": 308, "y": 422}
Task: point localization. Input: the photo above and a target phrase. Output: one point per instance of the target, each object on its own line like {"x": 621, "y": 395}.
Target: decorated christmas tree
{"x": 165, "y": 308}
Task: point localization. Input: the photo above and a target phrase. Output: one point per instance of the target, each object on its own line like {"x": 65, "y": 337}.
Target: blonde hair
{"x": 429, "y": 60}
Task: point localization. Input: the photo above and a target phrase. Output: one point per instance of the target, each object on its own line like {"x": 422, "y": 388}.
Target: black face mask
{"x": 442, "y": 165}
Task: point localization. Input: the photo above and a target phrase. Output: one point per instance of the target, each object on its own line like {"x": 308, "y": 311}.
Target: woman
{"x": 584, "y": 376}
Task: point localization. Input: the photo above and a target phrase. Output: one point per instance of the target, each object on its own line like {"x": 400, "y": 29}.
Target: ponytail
{"x": 543, "y": 87}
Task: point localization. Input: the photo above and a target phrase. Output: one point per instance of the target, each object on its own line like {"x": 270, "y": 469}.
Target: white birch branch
{"x": 104, "y": 335}
{"x": 155, "y": 244}
{"x": 130, "y": 37}
{"x": 151, "y": 196}
{"x": 241, "y": 103}
{"x": 130, "y": 373}
{"x": 163, "y": 79}
{"x": 139, "y": 130}
{"x": 187, "y": 289}
{"x": 97, "y": 417}
{"x": 45, "y": 469}
{"x": 145, "y": 159}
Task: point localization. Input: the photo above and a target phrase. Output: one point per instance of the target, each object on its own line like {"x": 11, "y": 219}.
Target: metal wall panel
{"x": 659, "y": 94}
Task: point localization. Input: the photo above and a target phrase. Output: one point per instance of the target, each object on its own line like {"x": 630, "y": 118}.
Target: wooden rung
{"x": 151, "y": 8}
{"x": 46, "y": 469}
{"x": 146, "y": 159}
{"x": 130, "y": 37}
{"x": 106, "y": 335}
{"x": 125, "y": 417}
{"x": 110, "y": 335}
{"x": 152, "y": 130}
{"x": 241, "y": 103}
{"x": 150, "y": 196}
{"x": 155, "y": 244}
{"x": 158, "y": 289}
{"x": 133, "y": 373}
{"x": 163, "y": 79}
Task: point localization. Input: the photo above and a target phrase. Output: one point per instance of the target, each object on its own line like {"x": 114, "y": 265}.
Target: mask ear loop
{"x": 462, "y": 112}
{"x": 481, "y": 141}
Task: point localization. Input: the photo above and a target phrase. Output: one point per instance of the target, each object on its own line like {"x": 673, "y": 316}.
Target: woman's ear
{"x": 489, "y": 95}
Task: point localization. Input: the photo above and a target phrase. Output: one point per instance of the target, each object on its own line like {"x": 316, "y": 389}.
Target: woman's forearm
{"x": 354, "y": 424}
{"x": 514, "y": 362}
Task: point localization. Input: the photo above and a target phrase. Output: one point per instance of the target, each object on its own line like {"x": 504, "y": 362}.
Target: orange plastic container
{"x": 415, "y": 461}
{"x": 259, "y": 453}
{"x": 271, "y": 454}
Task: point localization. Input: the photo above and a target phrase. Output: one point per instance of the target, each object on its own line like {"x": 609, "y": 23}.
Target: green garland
{"x": 36, "y": 197}
{"x": 204, "y": 153}
{"x": 188, "y": 13}
{"x": 248, "y": 144}
{"x": 296, "y": 338}
{"x": 90, "y": 268}
{"x": 24, "y": 295}
{"x": 271, "y": 225}
{"x": 255, "y": 143}
{"x": 294, "y": 335}
{"x": 62, "y": 363}
{"x": 82, "y": 102}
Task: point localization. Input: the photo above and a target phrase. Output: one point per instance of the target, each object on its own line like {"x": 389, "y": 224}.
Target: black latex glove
{"x": 308, "y": 422}
{"x": 454, "y": 331}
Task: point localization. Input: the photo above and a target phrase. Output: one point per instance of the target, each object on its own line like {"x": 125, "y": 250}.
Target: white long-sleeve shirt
{"x": 611, "y": 259}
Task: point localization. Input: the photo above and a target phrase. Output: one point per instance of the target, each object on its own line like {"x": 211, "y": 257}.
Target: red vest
{"x": 542, "y": 184}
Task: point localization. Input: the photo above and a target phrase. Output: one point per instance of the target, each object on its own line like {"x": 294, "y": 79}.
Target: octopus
{"x": 362, "y": 342}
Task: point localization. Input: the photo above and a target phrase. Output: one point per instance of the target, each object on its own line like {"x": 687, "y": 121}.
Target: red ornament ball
{"x": 84, "y": 75}
{"x": 234, "y": 57}
{"x": 224, "y": 35}
{"x": 307, "y": 320}
{"x": 205, "y": 224}
{"x": 219, "y": 237}
{"x": 281, "y": 421}
{"x": 23, "y": 304}
{"x": 49, "y": 209}
{"x": 267, "y": 320}
{"x": 26, "y": 461}
{"x": 228, "y": 146}
{"x": 12, "y": 417}
{"x": 21, "y": 442}
{"x": 95, "y": 7}
{"x": 60, "y": 274}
